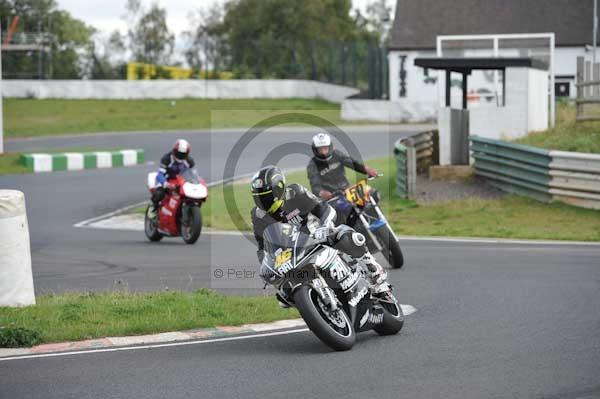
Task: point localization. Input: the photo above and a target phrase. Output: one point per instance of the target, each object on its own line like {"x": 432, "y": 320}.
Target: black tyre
{"x": 191, "y": 231}
{"x": 391, "y": 248}
{"x": 334, "y": 330}
{"x": 151, "y": 224}
{"x": 393, "y": 317}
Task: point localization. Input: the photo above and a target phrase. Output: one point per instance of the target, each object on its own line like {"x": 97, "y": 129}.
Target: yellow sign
{"x": 141, "y": 71}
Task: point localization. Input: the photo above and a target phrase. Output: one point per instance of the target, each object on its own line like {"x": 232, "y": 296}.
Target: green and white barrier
{"x": 41, "y": 162}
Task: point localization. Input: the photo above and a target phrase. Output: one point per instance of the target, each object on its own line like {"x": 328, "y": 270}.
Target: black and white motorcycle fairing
{"x": 328, "y": 288}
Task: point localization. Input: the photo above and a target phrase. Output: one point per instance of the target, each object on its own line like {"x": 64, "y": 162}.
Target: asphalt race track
{"x": 68, "y": 258}
{"x": 501, "y": 322}
{"x": 493, "y": 320}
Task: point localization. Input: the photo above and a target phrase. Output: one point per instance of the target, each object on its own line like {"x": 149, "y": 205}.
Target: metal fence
{"x": 359, "y": 64}
{"x": 414, "y": 155}
{"x": 538, "y": 173}
{"x": 588, "y": 90}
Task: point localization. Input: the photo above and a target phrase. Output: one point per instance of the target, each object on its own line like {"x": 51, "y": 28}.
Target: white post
{"x": 552, "y": 99}
{"x": 496, "y": 72}
{"x": 595, "y": 31}
{"x": 1, "y": 107}
{"x": 16, "y": 280}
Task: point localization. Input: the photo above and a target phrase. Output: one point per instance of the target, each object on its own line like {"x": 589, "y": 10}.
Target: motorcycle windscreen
{"x": 190, "y": 176}
{"x": 284, "y": 245}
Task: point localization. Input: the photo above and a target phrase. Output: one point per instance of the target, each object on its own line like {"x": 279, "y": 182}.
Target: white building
{"x": 413, "y": 91}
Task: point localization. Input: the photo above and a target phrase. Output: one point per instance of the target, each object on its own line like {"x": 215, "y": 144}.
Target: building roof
{"x": 466, "y": 65}
{"x": 419, "y": 22}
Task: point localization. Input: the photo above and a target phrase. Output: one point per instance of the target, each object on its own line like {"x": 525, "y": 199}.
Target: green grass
{"x": 74, "y": 316}
{"x": 10, "y": 164}
{"x": 567, "y": 135}
{"x": 30, "y": 117}
{"x": 508, "y": 217}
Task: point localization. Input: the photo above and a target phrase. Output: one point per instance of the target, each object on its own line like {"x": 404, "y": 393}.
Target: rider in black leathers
{"x": 327, "y": 174}
{"x": 276, "y": 202}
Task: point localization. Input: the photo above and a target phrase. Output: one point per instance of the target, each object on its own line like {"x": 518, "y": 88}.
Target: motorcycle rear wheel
{"x": 191, "y": 232}
{"x": 151, "y": 225}
{"x": 322, "y": 323}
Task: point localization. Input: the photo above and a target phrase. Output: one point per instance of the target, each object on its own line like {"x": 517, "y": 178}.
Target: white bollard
{"x": 16, "y": 280}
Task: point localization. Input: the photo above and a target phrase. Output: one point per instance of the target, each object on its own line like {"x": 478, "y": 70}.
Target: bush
{"x": 16, "y": 337}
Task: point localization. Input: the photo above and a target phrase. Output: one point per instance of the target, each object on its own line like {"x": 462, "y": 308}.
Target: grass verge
{"x": 567, "y": 134}
{"x": 510, "y": 216}
{"x": 73, "y": 316}
{"x": 30, "y": 117}
{"x": 10, "y": 164}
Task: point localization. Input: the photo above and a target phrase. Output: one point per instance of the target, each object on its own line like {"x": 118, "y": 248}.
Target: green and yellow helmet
{"x": 268, "y": 189}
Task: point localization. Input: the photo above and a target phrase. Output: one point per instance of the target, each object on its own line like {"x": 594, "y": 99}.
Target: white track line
{"x": 85, "y": 223}
{"x": 132, "y": 348}
{"x": 124, "y": 209}
{"x": 406, "y": 309}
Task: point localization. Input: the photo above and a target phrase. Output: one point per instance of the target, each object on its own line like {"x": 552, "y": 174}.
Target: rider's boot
{"x": 377, "y": 274}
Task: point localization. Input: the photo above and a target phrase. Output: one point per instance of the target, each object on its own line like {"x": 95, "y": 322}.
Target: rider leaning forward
{"x": 277, "y": 202}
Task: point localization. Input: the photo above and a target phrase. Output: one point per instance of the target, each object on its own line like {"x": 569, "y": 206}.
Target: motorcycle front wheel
{"x": 191, "y": 231}
{"x": 151, "y": 224}
{"x": 334, "y": 329}
{"x": 393, "y": 317}
{"x": 391, "y": 248}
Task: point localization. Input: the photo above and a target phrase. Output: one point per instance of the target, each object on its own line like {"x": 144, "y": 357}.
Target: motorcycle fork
{"x": 325, "y": 293}
{"x": 382, "y": 217}
{"x": 185, "y": 214}
{"x": 367, "y": 228}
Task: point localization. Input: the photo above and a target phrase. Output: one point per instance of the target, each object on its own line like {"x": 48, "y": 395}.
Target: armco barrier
{"x": 405, "y": 170}
{"x": 538, "y": 173}
{"x": 82, "y": 160}
{"x": 413, "y": 154}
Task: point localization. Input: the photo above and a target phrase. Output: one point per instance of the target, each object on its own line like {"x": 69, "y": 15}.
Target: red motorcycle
{"x": 179, "y": 213}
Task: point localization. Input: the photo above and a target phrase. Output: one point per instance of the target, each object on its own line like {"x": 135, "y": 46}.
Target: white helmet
{"x": 319, "y": 141}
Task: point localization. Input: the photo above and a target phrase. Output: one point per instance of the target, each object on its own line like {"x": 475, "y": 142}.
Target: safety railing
{"x": 414, "y": 154}
{"x": 538, "y": 173}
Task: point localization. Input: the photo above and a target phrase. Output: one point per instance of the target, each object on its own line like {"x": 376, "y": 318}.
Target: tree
{"x": 150, "y": 40}
{"x": 379, "y": 19}
{"x": 204, "y": 49}
{"x": 108, "y": 62}
{"x": 287, "y": 38}
{"x": 69, "y": 40}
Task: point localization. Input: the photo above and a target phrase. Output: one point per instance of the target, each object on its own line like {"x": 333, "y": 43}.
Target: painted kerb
{"x": 538, "y": 173}
{"x": 42, "y": 162}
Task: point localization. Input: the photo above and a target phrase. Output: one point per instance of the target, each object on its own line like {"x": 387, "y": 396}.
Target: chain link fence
{"x": 357, "y": 64}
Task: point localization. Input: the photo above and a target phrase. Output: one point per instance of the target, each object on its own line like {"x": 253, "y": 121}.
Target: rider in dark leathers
{"x": 171, "y": 164}
{"x": 276, "y": 202}
{"x": 327, "y": 174}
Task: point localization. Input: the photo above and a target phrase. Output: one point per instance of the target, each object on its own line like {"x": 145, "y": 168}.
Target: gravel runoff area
{"x": 440, "y": 191}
